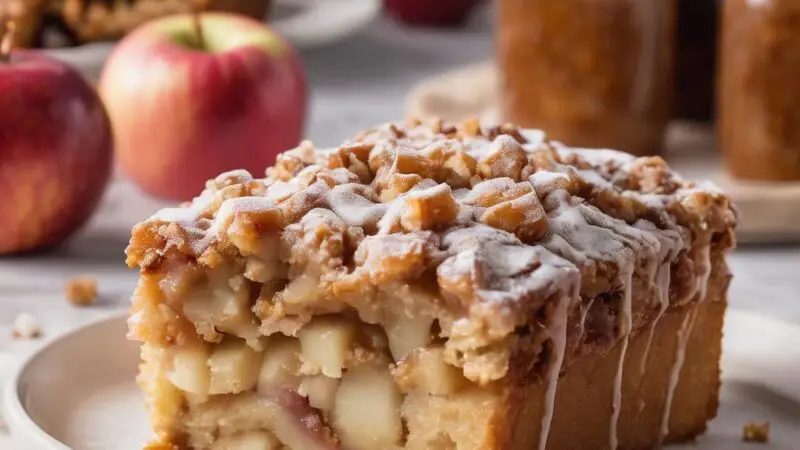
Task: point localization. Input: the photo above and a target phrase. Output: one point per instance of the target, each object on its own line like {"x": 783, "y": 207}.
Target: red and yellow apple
{"x": 56, "y": 150}
{"x": 185, "y": 109}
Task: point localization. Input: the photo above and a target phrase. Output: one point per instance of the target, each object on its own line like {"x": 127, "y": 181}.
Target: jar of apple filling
{"x": 759, "y": 89}
{"x": 591, "y": 73}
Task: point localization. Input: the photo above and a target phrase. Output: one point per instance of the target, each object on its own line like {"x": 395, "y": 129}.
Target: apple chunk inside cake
{"x": 434, "y": 286}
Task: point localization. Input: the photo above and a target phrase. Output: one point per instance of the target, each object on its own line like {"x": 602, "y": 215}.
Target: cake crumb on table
{"x": 81, "y": 291}
{"x": 26, "y": 327}
{"x": 756, "y": 432}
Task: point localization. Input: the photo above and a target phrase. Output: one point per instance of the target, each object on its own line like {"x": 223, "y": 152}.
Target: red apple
{"x": 186, "y": 109}
{"x": 56, "y": 149}
{"x": 446, "y": 13}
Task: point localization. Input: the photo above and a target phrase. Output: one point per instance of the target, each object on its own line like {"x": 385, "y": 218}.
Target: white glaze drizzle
{"x": 663, "y": 281}
{"x": 682, "y": 338}
{"x": 643, "y": 243}
{"x": 659, "y": 202}
{"x": 579, "y": 232}
{"x": 558, "y": 336}
{"x": 626, "y": 270}
{"x": 584, "y": 312}
{"x": 705, "y": 272}
{"x": 671, "y": 244}
{"x": 680, "y": 353}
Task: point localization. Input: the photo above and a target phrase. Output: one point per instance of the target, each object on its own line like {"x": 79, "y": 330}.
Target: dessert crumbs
{"x": 756, "y": 432}
{"x": 81, "y": 291}
{"x": 26, "y": 327}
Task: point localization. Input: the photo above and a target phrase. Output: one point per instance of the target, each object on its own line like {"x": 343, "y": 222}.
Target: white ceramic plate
{"x": 304, "y": 23}
{"x": 78, "y": 392}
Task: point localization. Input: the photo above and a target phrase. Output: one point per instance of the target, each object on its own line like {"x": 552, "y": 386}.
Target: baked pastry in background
{"x": 435, "y": 286}
{"x": 26, "y": 15}
{"x": 60, "y": 23}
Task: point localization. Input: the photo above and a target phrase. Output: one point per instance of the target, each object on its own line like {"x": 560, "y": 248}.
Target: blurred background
{"x": 640, "y": 76}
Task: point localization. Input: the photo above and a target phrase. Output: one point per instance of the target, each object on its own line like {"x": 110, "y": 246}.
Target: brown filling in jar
{"x": 759, "y": 89}
{"x": 591, "y": 73}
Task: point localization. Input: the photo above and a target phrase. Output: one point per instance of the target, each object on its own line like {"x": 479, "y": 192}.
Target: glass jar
{"x": 591, "y": 73}
{"x": 759, "y": 89}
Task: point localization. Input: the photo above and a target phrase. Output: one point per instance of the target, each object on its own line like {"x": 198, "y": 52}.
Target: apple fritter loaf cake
{"x": 435, "y": 286}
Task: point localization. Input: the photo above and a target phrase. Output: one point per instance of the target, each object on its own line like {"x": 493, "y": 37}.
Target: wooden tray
{"x": 770, "y": 212}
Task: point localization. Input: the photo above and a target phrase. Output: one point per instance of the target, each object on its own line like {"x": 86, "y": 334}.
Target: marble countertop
{"x": 356, "y": 83}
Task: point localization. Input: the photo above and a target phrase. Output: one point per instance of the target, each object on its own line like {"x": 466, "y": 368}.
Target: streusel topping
{"x": 494, "y": 228}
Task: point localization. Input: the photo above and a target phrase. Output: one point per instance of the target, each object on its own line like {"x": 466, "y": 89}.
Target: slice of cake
{"x": 434, "y": 286}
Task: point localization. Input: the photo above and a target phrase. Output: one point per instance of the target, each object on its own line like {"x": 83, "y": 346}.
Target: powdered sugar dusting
{"x": 355, "y": 209}
{"x": 535, "y": 139}
{"x": 281, "y": 190}
{"x": 598, "y": 157}
{"x": 233, "y": 206}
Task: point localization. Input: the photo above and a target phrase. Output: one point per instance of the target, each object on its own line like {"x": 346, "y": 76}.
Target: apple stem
{"x": 197, "y": 12}
{"x": 6, "y": 40}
